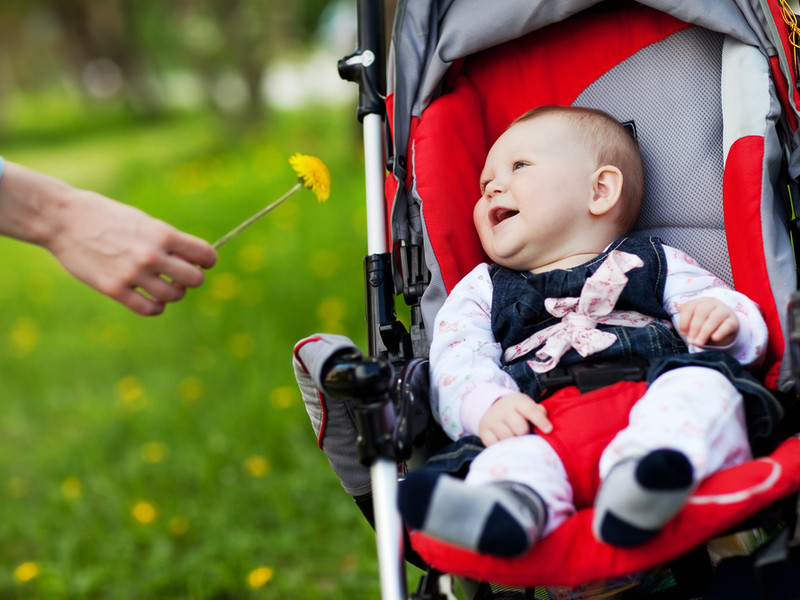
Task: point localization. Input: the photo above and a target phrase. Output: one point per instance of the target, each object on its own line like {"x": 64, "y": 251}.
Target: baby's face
{"x": 536, "y": 188}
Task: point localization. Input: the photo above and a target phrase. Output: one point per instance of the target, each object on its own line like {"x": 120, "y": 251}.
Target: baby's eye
{"x": 484, "y": 183}
{"x": 518, "y": 165}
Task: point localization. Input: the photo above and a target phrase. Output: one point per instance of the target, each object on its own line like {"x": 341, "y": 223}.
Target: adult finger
{"x": 161, "y": 290}
{"x": 138, "y": 303}
{"x": 180, "y": 271}
{"x": 193, "y": 249}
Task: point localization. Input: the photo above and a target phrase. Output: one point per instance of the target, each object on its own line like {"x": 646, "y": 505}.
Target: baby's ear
{"x": 606, "y": 189}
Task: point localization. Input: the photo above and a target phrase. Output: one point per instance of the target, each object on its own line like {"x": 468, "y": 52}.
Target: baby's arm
{"x": 687, "y": 293}
{"x": 466, "y": 377}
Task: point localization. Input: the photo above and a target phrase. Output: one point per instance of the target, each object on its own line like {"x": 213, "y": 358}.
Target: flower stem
{"x": 256, "y": 217}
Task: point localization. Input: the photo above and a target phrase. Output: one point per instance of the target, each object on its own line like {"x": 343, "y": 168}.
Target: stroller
{"x": 710, "y": 90}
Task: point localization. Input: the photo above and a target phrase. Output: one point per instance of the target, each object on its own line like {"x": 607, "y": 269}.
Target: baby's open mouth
{"x": 500, "y": 214}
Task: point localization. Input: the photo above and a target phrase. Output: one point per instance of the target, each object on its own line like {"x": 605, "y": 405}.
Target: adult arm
{"x": 114, "y": 248}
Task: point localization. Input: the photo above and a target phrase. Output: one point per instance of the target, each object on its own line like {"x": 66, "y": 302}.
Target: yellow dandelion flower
{"x": 153, "y": 452}
{"x": 26, "y": 571}
{"x": 225, "y": 286}
{"x": 144, "y": 512}
{"x": 252, "y": 258}
{"x": 71, "y": 487}
{"x": 313, "y": 173}
{"x": 129, "y": 389}
{"x": 259, "y": 577}
{"x": 241, "y": 345}
{"x": 257, "y": 466}
{"x": 25, "y": 335}
{"x": 283, "y": 397}
{"x": 191, "y": 389}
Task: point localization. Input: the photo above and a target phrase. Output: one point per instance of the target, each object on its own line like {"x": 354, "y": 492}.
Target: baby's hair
{"x": 613, "y": 145}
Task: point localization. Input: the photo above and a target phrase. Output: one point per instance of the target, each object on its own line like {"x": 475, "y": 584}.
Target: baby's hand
{"x": 510, "y": 416}
{"x": 708, "y": 322}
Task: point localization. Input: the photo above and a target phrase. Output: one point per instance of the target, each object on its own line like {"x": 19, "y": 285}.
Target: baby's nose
{"x": 494, "y": 189}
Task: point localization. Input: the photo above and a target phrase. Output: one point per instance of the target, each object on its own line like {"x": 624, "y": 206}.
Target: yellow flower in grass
{"x": 71, "y": 487}
{"x": 259, "y": 577}
{"x": 153, "y": 452}
{"x": 314, "y": 174}
{"x": 257, "y": 466}
{"x": 26, "y": 571}
{"x": 144, "y": 512}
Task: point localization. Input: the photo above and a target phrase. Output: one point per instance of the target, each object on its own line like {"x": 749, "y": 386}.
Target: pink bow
{"x": 580, "y": 316}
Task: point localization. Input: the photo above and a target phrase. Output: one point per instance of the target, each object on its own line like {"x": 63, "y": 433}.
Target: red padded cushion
{"x": 571, "y": 556}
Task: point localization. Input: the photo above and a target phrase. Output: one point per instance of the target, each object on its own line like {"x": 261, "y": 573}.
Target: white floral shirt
{"x": 465, "y": 359}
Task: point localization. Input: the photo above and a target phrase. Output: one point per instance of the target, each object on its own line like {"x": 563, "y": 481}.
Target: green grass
{"x": 194, "y": 413}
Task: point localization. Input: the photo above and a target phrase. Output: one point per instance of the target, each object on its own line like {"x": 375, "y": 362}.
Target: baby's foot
{"x": 638, "y": 497}
{"x": 504, "y": 519}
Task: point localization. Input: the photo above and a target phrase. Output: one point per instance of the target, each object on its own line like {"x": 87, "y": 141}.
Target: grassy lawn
{"x": 172, "y": 457}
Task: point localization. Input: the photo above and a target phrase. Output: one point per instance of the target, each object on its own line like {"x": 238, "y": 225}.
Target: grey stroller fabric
{"x": 331, "y": 418}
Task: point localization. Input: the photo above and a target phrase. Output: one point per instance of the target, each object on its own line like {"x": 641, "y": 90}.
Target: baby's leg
{"x": 688, "y": 425}
{"x": 516, "y": 492}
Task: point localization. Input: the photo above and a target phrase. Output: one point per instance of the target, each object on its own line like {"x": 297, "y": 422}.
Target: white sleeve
{"x": 465, "y": 359}
{"x": 686, "y": 280}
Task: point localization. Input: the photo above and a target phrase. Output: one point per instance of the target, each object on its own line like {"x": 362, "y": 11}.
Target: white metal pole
{"x": 388, "y": 529}
{"x": 375, "y": 174}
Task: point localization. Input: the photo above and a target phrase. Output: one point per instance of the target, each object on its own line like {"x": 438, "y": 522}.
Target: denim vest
{"x": 518, "y": 310}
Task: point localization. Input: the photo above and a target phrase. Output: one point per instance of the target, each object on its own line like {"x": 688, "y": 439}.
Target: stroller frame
{"x": 365, "y": 380}
{"x": 386, "y": 403}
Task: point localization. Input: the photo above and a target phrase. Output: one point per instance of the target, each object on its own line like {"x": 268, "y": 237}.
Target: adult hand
{"x": 114, "y": 248}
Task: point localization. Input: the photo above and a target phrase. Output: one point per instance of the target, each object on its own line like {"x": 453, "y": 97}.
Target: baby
{"x": 559, "y": 189}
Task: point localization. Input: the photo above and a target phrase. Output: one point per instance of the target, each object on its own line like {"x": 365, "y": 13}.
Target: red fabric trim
{"x": 494, "y": 87}
{"x": 389, "y": 102}
{"x": 324, "y": 422}
{"x": 781, "y": 85}
{"x": 302, "y": 343}
{"x": 545, "y": 563}
{"x": 741, "y": 197}
{"x": 324, "y": 406}
{"x": 390, "y": 185}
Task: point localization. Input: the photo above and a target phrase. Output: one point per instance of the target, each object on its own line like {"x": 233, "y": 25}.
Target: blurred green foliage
{"x": 172, "y": 457}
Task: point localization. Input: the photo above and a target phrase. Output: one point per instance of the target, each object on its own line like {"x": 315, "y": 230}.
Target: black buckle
{"x": 593, "y": 375}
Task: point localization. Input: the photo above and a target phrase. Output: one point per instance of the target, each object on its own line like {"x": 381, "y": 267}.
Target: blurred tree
{"x": 129, "y": 48}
